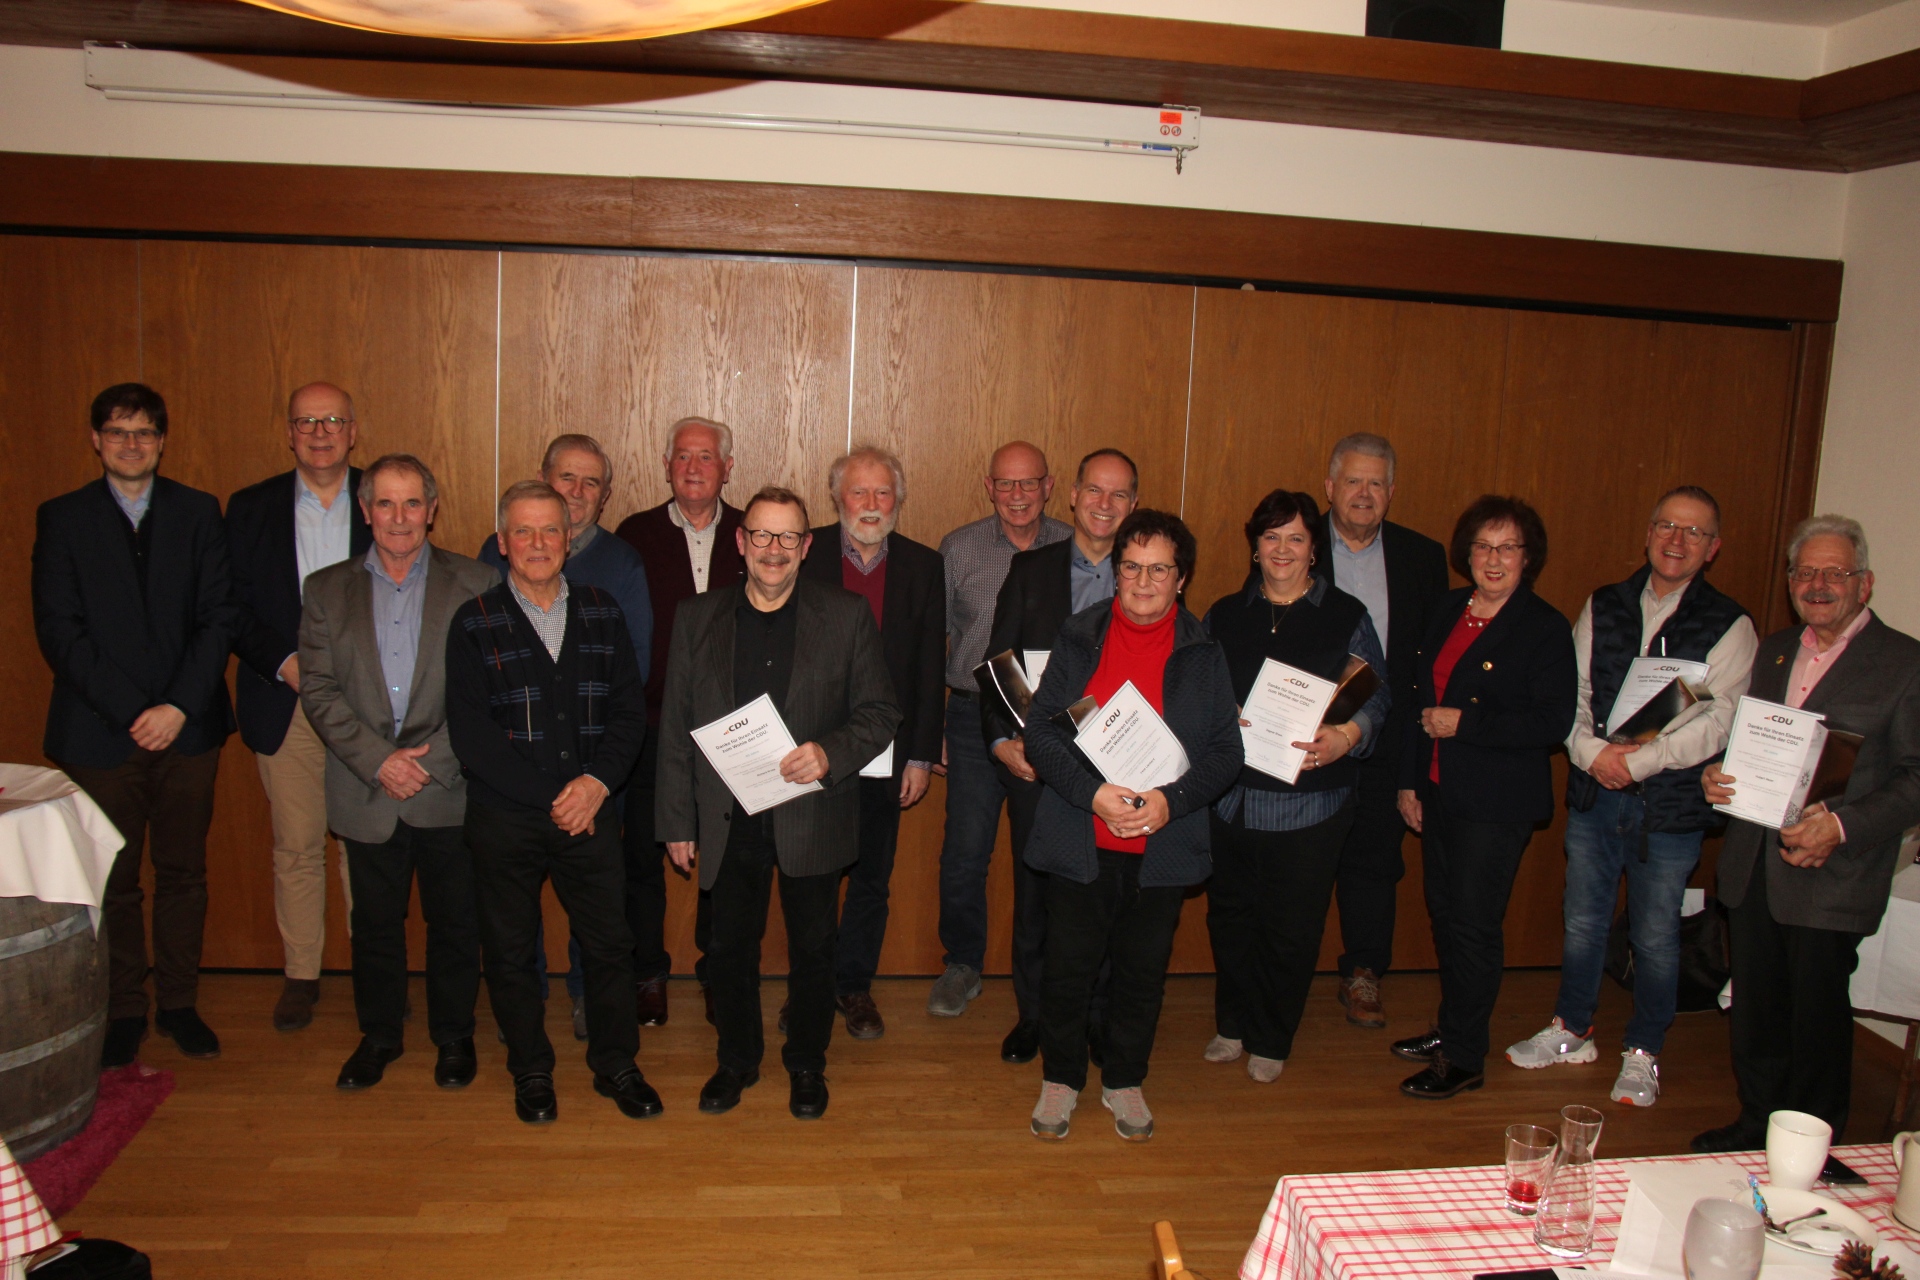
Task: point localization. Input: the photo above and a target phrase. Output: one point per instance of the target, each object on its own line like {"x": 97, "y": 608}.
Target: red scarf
{"x": 1139, "y": 654}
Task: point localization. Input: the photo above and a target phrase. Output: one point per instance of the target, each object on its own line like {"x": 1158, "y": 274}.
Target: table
{"x": 1453, "y": 1222}
{"x": 25, "y": 1228}
{"x": 55, "y": 843}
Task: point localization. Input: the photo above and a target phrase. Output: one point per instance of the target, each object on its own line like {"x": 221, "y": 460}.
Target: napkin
{"x": 1659, "y": 1199}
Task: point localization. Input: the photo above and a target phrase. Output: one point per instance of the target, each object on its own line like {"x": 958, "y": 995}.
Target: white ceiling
{"x": 1805, "y": 13}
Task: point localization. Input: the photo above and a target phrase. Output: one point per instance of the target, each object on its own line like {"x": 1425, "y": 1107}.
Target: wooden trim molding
{"x": 1813, "y": 364}
{"x": 209, "y": 198}
{"x": 1860, "y": 118}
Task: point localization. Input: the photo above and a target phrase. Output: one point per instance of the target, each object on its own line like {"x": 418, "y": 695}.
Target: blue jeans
{"x": 974, "y": 797}
{"x": 1603, "y": 843}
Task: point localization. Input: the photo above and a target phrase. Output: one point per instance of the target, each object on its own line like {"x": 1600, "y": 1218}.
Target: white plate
{"x": 1783, "y": 1204}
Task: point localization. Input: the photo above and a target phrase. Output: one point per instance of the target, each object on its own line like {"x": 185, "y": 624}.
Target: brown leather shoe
{"x": 1361, "y": 995}
{"x": 294, "y": 1009}
{"x": 652, "y": 995}
{"x": 863, "y": 1016}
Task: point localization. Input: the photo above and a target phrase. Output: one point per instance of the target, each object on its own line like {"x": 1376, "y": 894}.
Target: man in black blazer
{"x": 811, "y": 649}
{"x": 1044, "y": 587}
{"x": 904, "y": 585}
{"x": 1399, "y": 575}
{"x": 280, "y": 530}
{"x": 1803, "y": 897}
{"x": 133, "y": 608}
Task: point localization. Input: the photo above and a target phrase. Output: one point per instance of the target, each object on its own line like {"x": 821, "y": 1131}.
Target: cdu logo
{"x": 1780, "y": 719}
{"x": 737, "y": 724}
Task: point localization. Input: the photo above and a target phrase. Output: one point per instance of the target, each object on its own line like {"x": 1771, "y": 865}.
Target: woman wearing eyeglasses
{"x": 1496, "y": 683}
{"x": 1118, "y": 860}
{"x": 1276, "y": 845}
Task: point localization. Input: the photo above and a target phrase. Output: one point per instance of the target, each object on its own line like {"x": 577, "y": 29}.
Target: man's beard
{"x": 872, "y": 535}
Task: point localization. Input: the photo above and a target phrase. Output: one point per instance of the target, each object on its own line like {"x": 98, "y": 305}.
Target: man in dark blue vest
{"x": 1638, "y": 810}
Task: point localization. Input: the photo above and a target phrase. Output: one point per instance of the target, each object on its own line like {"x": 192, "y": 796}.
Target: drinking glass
{"x": 1724, "y": 1241}
{"x": 1796, "y": 1149}
{"x": 1564, "y": 1224}
{"x": 1581, "y": 1125}
{"x": 1529, "y": 1160}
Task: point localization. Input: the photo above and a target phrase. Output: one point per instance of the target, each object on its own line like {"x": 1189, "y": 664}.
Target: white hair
{"x": 1829, "y": 525}
{"x": 1367, "y": 444}
{"x": 867, "y": 453}
{"x": 722, "y": 433}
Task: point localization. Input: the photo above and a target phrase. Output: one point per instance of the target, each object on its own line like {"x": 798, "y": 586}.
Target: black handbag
{"x": 96, "y": 1260}
{"x": 1704, "y": 962}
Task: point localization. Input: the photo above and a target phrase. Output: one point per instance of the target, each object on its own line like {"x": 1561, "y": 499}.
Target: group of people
{"x": 481, "y": 726}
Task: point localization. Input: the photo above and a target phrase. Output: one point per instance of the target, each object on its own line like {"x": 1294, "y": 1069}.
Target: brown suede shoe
{"x": 652, "y": 999}
{"x": 294, "y": 1010}
{"x": 1361, "y": 995}
{"x": 863, "y": 1016}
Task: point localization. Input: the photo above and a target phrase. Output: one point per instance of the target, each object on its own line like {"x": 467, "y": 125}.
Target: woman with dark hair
{"x": 1119, "y": 861}
{"x": 1276, "y": 845}
{"x": 1496, "y": 683}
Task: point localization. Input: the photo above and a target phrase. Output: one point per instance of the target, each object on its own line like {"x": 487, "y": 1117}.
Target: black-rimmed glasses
{"x": 1132, "y": 569}
{"x": 331, "y": 424}
{"x": 767, "y": 537}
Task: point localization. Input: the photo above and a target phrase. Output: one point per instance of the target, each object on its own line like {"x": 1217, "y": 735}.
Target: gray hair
{"x": 721, "y": 431}
{"x": 397, "y": 462}
{"x": 585, "y": 444}
{"x": 1367, "y": 444}
{"x": 521, "y": 491}
{"x": 866, "y": 453}
{"x": 1837, "y": 526}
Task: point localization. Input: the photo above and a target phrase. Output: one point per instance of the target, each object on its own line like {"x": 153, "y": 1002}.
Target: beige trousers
{"x": 295, "y": 777}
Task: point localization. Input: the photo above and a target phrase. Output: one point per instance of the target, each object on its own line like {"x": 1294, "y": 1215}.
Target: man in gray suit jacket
{"x": 814, "y": 650}
{"x": 1803, "y": 897}
{"x": 373, "y": 682}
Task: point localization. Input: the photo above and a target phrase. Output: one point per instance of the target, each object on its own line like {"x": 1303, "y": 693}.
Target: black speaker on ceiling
{"x": 1468, "y": 22}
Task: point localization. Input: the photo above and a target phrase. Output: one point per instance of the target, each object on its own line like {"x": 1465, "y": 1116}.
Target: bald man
{"x": 281, "y": 530}
{"x": 977, "y": 555}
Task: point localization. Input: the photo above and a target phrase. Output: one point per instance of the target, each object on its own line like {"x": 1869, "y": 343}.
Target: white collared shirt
{"x": 699, "y": 543}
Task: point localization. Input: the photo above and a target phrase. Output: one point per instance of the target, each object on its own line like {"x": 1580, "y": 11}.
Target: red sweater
{"x": 1465, "y": 631}
{"x": 1139, "y": 654}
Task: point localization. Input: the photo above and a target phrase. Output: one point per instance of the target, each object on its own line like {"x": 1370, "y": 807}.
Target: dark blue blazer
{"x": 116, "y": 649}
{"x": 266, "y": 595}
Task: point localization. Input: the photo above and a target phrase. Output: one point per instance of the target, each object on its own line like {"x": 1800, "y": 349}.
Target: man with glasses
{"x": 1043, "y": 588}
{"x": 977, "y": 556}
{"x": 280, "y": 530}
{"x": 1802, "y": 898}
{"x": 812, "y": 649}
{"x": 133, "y": 608}
{"x": 1637, "y": 810}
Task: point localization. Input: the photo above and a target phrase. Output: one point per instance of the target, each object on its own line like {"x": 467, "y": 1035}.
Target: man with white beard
{"x": 903, "y": 583}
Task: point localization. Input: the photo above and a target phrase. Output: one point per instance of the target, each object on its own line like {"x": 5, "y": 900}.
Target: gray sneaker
{"x": 952, "y": 989}
{"x": 1054, "y": 1112}
{"x": 1551, "y": 1047}
{"x": 1131, "y": 1119}
{"x": 1638, "y": 1084}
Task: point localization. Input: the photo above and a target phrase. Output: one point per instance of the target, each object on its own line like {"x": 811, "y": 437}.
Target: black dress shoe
{"x": 651, "y": 997}
{"x": 1441, "y": 1079}
{"x": 630, "y": 1092}
{"x": 122, "y": 1044}
{"x": 809, "y": 1098}
{"x": 190, "y": 1035}
{"x": 456, "y": 1064}
{"x": 1738, "y": 1136}
{"x": 1420, "y": 1048}
{"x": 533, "y": 1099}
{"x": 1022, "y": 1043}
{"x": 1097, "y": 1043}
{"x": 367, "y": 1065}
{"x": 722, "y": 1090}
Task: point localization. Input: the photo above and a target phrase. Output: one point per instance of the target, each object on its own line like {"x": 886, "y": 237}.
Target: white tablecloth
{"x": 55, "y": 843}
{"x": 1887, "y": 979}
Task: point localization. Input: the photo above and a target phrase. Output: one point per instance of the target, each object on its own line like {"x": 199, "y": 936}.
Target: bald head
{"x": 321, "y": 431}
{"x": 1018, "y": 486}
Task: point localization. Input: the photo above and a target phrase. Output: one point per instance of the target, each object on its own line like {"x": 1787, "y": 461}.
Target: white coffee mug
{"x": 1796, "y": 1149}
{"x": 1906, "y": 1200}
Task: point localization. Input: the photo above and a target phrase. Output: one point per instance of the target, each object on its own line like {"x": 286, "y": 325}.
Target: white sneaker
{"x": 1131, "y": 1119}
{"x": 1551, "y": 1047}
{"x": 1054, "y": 1112}
{"x": 1221, "y": 1049}
{"x": 1638, "y": 1084}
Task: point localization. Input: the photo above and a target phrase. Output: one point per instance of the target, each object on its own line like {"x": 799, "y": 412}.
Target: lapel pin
{"x": 1780, "y": 660}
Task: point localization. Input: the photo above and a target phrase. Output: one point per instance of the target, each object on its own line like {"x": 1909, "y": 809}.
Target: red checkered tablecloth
{"x": 1454, "y": 1222}
{"x": 25, "y": 1227}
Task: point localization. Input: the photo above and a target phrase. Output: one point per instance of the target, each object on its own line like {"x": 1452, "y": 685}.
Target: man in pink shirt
{"x": 1802, "y": 898}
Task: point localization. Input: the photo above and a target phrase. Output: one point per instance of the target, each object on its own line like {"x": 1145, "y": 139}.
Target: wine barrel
{"x": 53, "y": 1018}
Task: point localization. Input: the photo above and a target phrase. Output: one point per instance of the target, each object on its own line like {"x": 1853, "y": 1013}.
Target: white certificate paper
{"x": 1034, "y": 661}
{"x": 1770, "y": 755}
{"x": 1130, "y": 744}
{"x": 745, "y": 748}
{"x": 1285, "y": 706}
{"x": 1648, "y": 676}
{"x": 881, "y": 766}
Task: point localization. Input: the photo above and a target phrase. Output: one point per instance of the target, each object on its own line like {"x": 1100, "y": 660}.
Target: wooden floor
{"x": 258, "y": 1167}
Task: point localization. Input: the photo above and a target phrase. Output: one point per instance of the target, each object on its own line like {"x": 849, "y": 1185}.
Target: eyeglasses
{"x": 1024, "y": 486}
{"x": 1132, "y": 569}
{"x": 767, "y": 537}
{"x": 1506, "y": 550}
{"x": 330, "y": 424}
{"x": 120, "y": 435}
{"x": 1693, "y": 533}
{"x": 1827, "y": 577}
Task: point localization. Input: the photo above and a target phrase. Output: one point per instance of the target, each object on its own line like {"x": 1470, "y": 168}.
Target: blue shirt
{"x": 322, "y": 535}
{"x": 134, "y": 509}
{"x": 598, "y": 559}
{"x": 1363, "y": 575}
{"x": 1091, "y": 583}
{"x": 397, "y": 607}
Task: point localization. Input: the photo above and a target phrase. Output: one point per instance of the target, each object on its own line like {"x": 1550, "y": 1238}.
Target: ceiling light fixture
{"x": 533, "y": 21}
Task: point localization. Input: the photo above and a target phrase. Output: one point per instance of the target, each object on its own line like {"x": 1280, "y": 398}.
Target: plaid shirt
{"x": 977, "y": 557}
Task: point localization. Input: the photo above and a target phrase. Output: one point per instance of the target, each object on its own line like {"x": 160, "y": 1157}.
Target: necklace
{"x": 1278, "y": 613}
{"x": 1473, "y": 623}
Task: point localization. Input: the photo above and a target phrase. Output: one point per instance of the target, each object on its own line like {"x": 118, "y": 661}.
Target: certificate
{"x": 881, "y": 766}
{"x": 745, "y": 747}
{"x": 1649, "y": 677}
{"x": 1035, "y": 661}
{"x": 1285, "y": 706}
{"x": 1130, "y": 744}
{"x": 1771, "y": 755}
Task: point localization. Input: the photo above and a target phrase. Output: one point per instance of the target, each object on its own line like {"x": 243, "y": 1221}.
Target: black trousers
{"x": 514, "y": 852}
{"x": 863, "y": 914}
{"x": 1029, "y": 895}
{"x": 382, "y": 876}
{"x": 162, "y": 801}
{"x": 1468, "y": 870}
{"x": 1792, "y": 1012}
{"x": 1111, "y": 918}
{"x": 1266, "y": 911}
{"x": 742, "y": 890}
{"x": 646, "y": 860}
{"x": 1371, "y": 867}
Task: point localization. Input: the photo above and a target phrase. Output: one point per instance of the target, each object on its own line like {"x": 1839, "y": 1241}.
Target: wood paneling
{"x": 44, "y": 191}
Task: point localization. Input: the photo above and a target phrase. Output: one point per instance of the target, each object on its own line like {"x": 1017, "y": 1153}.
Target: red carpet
{"x": 128, "y": 1098}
